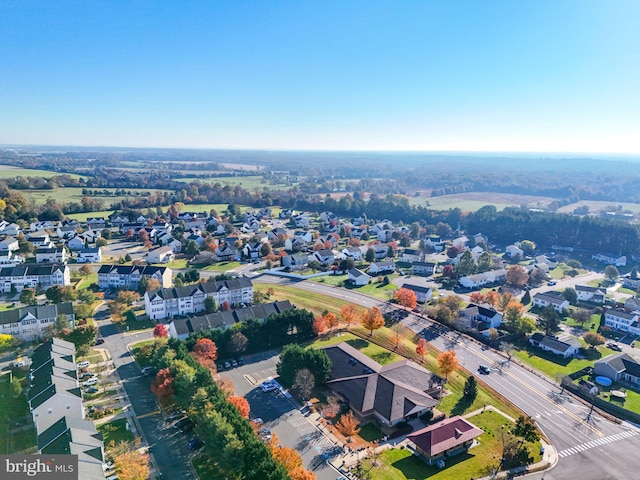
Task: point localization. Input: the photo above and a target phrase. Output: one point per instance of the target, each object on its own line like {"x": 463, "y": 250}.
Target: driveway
{"x": 282, "y": 414}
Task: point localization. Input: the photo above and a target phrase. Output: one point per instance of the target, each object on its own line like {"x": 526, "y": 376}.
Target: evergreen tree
{"x": 470, "y": 390}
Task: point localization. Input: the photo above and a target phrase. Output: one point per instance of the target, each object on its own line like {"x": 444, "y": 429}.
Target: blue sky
{"x": 546, "y": 76}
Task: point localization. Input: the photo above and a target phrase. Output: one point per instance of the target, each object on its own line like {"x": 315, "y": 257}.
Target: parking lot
{"x": 281, "y": 414}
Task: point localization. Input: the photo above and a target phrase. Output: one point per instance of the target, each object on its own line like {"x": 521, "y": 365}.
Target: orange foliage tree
{"x": 132, "y": 465}
{"x": 477, "y": 297}
{"x": 448, "y": 362}
{"x": 301, "y": 474}
{"x": 492, "y": 298}
{"x": 503, "y": 300}
{"x": 405, "y": 297}
{"x": 348, "y": 425}
{"x": 349, "y": 313}
{"x": 318, "y": 326}
{"x": 205, "y": 352}
{"x": 241, "y": 404}
{"x": 331, "y": 320}
{"x": 372, "y": 319}
{"x": 421, "y": 348}
{"x": 162, "y": 386}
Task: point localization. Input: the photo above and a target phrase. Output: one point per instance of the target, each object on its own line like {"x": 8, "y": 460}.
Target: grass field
{"x": 74, "y": 194}
{"x": 400, "y": 464}
{"x": 371, "y": 350}
{"x": 375, "y": 289}
{"x": 221, "y": 267}
{"x": 82, "y": 217}
{"x": 13, "y": 409}
{"x": 596, "y": 206}
{"x": 9, "y": 171}
{"x": 472, "y": 201}
{"x": 251, "y": 182}
{"x": 313, "y": 302}
{"x": 87, "y": 281}
{"x": 115, "y": 431}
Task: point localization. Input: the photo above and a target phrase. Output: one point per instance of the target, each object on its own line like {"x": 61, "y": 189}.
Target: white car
{"x": 90, "y": 382}
{"x": 84, "y": 364}
{"x": 268, "y": 386}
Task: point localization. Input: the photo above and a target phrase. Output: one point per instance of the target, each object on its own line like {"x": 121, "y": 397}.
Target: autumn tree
{"x": 127, "y": 297}
{"x": 153, "y": 285}
{"x": 225, "y": 307}
{"x": 348, "y": 425}
{"x": 503, "y": 300}
{"x": 318, "y": 326}
{"x": 287, "y": 457}
{"x": 162, "y": 386}
{"x": 349, "y": 313}
{"x": 372, "y": 319}
{"x": 330, "y": 320}
{"x": 448, "y": 362}
{"x": 517, "y": 275}
{"x": 132, "y": 465}
{"x": 477, "y": 298}
{"x": 447, "y": 271}
{"x": 304, "y": 382}
{"x": 593, "y": 339}
{"x": 237, "y": 342}
{"x": 241, "y": 404}
{"x": 205, "y": 352}
{"x": 116, "y": 310}
{"x": 85, "y": 270}
{"x": 406, "y": 298}
{"x": 160, "y": 331}
{"x": 492, "y": 298}
{"x": 422, "y": 348}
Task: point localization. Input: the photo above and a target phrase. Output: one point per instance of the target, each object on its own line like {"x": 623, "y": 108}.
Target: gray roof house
{"x": 391, "y": 393}
{"x": 617, "y": 367}
{"x": 567, "y": 348}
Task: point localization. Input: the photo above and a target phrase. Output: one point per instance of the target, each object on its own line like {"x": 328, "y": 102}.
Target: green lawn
{"x": 14, "y": 409}
{"x": 176, "y": 264}
{"x": 371, "y": 350}
{"x": 400, "y": 464}
{"x": 554, "y": 365}
{"x": 74, "y": 194}
{"x": 142, "y": 322}
{"x": 82, "y": 217}
{"x": 221, "y": 266}
{"x": 314, "y": 302}
{"x": 115, "y": 431}
{"x": 87, "y": 281}
{"x": 249, "y": 182}
{"x": 136, "y": 351}
{"x": 374, "y": 289}
{"x": 9, "y": 171}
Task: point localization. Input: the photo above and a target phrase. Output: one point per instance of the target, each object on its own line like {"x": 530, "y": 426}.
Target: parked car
{"x": 91, "y": 390}
{"x": 551, "y": 283}
{"x": 148, "y": 370}
{"x": 257, "y": 421}
{"x": 83, "y": 364}
{"x": 195, "y": 444}
{"x": 88, "y": 383}
{"x": 268, "y": 386}
{"x": 484, "y": 370}
{"x": 86, "y": 375}
{"x": 184, "y": 424}
{"x": 234, "y": 363}
{"x": 227, "y": 365}
{"x": 614, "y": 346}
{"x": 99, "y": 341}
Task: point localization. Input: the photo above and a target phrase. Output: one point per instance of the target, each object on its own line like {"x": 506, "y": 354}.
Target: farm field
{"x": 82, "y": 217}
{"x": 251, "y": 182}
{"x": 472, "y": 201}
{"x": 9, "y": 171}
{"x": 74, "y": 194}
{"x": 596, "y": 206}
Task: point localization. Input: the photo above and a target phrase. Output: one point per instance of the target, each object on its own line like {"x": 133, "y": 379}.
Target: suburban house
{"x": 12, "y": 229}
{"x": 380, "y": 250}
{"x": 39, "y": 239}
{"x": 66, "y": 231}
{"x": 379, "y": 268}
{"x": 423, "y": 294}
{"x": 423, "y": 268}
{"x": 352, "y": 252}
{"x": 358, "y": 277}
{"x": 390, "y": 393}
{"x": 623, "y": 321}
{"x": 632, "y": 303}
{"x": 460, "y": 243}
{"x": 34, "y": 322}
{"x": 610, "y": 259}
{"x": 410, "y": 255}
{"x": 89, "y": 255}
{"x": 567, "y": 348}
{"x": 436, "y": 243}
{"x": 43, "y": 225}
{"x": 444, "y": 439}
{"x": 129, "y": 276}
{"x": 591, "y": 294}
{"x": 183, "y": 327}
{"x": 480, "y": 317}
{"x": 77, "y": 243}
{"x": 9, "y": 244}
{"x": 514, "y": 252}
{"x": 295, "y": 261}
{"x": 618, "y": 367}
{"x": 51, "y": 255}
{"x": 325, "y": 257}
{"x": 225, "y": 253}
{"x": 631, "y": 282}
{"x": 160, "y": 255}
{"x": 252, "y": 250}
{"x": 550, "y": 299}
{"x": 96, "y": 223}
{"x": 480, "y": 279}
{"x": 33, "y": 276}
{"x": 189, "y": 299}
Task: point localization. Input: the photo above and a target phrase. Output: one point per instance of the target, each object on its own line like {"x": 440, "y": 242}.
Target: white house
{"x": 358, "y": 277}
{"x": 129, "y": 276}
{"x": 513, "y": 251}
{"x": 9, "y": 244}
{"x": 39, "y": 239}
{"x": 352, "y": 252}
{"x": 34, "y": 322}
{"x": 295, "y": 261}
{"x": 591, "y": 294}
{"x": 89, "y": 255}
{"x": 33, "y": 276}
{"x": 481, "y": 317}
{"x": 546, "y": 299}
{"x": 423, "y": 294}
{"x": 325, "y": 257}
{"x": 378, "y": 268}
{"x": 160, "y": 255}
{"x": 436, "y": 243}
{"x": 611, "y": 259}
{"x": 51, "y": 255}
{"x": 567, "y": 348}
{"x": 622, "y": 320}
{"x": 77, "y": 243}
{"x": 410, "y": 255}
{"x": 423, "y": 268}
{"x": 13, "y": 230}
{"x": 189, "y": 299}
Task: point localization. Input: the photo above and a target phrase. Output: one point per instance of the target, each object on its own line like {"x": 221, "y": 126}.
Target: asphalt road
{"x": 589, "y": 444}
{"x": 168, "y": 446}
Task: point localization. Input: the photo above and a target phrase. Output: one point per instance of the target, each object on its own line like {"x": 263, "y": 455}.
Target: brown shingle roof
{"x": 444, "y": 435}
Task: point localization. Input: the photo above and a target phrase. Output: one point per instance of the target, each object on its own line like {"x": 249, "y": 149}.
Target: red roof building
{"x": 445, "y": 439}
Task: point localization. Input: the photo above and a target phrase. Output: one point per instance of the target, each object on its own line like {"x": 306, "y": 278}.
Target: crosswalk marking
{"x": 594, "y": 443}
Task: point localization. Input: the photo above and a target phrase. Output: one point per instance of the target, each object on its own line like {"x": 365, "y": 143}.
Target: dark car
{"x": 614, "y": 346}
{"x": 183, "y": 423}
{"x": 195, "y": 444}
{"x": 99, "y": 341}
{"x": 484, "y": 370}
